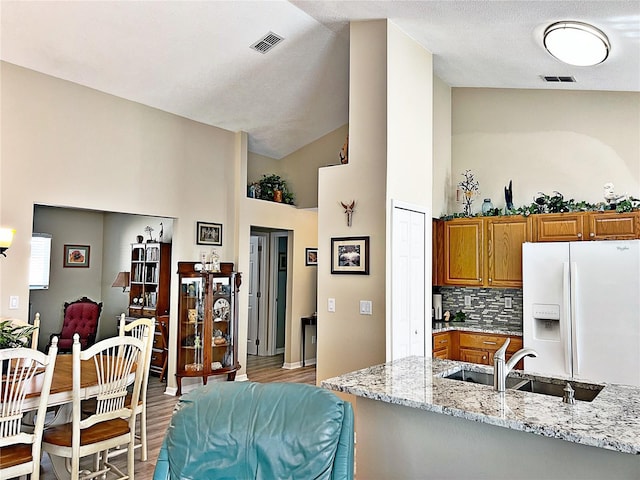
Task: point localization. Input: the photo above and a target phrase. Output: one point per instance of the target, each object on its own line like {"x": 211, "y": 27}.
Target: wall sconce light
{"x": 576, "y": 43}
{"x": 6, "y": 237}
{"x": 122, "y": 280}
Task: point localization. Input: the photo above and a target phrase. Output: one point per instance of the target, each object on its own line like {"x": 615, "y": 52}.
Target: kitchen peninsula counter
{"x": 407, "y": 412}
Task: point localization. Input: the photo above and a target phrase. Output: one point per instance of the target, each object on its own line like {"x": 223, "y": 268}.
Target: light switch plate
{"x": 14, "y": 302}
{"x": 507, "y": 302}
{"x": 331, "y": 304}
{"x": 467, "y": 300}
{"x": 365, "y": 307}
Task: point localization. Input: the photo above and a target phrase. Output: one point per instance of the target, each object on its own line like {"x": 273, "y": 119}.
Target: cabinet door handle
{"x": 489, "y": 343}
{"x": 579, "y": 235}
{"x": 480, "y": 279}
{"x": 490, "y": 280}
{"x": 592, "y": 234}
{"x": 484, "y": 357}
{"x": 444, "y": 341}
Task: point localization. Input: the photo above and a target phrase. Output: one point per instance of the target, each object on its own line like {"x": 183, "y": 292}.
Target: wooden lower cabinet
{"x": 480, "y": 347}
{"x": 473, "y": 347}
{"x": 445, "y": 345}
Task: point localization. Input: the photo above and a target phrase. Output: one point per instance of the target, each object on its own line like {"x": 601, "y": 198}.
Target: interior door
{"x": 254, "y": 285}
{"x": 408, "y": 283}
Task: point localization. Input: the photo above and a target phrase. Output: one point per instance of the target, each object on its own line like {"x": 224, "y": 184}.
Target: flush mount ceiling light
{"x": 576, "y": 43}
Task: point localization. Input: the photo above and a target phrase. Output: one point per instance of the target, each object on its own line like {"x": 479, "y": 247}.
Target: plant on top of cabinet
{"x": 273, "y": 188}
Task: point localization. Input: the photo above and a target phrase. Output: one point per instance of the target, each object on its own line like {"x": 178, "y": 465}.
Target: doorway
{"x": 268, "y": 266}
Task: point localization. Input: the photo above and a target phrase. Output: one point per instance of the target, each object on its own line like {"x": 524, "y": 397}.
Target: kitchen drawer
{"x": 488, "y": 342}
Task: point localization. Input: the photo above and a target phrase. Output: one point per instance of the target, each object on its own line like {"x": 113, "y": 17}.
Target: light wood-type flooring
{"x": 160, "y": 407}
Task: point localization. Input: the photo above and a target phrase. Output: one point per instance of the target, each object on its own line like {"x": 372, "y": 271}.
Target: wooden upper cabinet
{"x": 463, "y": 251}
{"x": 503, "y": 244}
{"x": 562, "y": 227}
{"x": 614, "y": 226}
{"x": 559, "y": 227}
{"x": 437, "y": 252}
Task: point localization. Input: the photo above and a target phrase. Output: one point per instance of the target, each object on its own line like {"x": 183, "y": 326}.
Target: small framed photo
{"x": 208, "y": 233}
{"x": 282, "y": 261}
{"x": 350, "y": 255}
{"x": 310, "y": 256}
{"x": 76, "y": 256}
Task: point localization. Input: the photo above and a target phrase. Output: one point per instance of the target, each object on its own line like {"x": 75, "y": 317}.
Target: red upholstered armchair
{"x": 80, "y": 317}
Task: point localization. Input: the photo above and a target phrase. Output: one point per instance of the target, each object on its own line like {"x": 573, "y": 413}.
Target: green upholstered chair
{"x": 258, "y": 431}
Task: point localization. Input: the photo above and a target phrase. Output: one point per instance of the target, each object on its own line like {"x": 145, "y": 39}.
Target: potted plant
{"x": 14, "y": 336}
{"x": 273, "y": 188}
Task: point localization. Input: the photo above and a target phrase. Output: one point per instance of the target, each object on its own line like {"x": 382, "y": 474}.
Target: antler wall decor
{"x": 348, "y": 210}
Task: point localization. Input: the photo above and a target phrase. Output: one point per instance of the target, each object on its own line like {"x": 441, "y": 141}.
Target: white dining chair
{"x": 115, "y": 360}
{"x": 137, "y": 328}
{"x": 23, "y": 369}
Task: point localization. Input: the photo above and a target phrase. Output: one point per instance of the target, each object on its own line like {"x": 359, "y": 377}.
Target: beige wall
{"x": 300, "y": 168}
{"x": 441, "y": 147}
{"x": 572, "y": 142}
{"x": 380, "y": 155}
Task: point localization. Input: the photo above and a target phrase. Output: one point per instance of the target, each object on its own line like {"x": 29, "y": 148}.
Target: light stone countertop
{"x": 611, "y": 420}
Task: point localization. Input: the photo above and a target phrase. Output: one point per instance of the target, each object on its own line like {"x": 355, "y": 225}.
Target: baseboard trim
{"x": 292, "y": 366}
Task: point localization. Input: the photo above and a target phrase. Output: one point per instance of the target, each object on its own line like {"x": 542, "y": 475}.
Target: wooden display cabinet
{"x": 207, "y": 324}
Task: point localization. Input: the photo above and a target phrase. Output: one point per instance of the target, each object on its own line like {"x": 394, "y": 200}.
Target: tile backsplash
{"x": 487, "y": 304}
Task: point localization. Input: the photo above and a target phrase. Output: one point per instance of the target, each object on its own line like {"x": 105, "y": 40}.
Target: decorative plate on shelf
{"x": 221, "y": 310}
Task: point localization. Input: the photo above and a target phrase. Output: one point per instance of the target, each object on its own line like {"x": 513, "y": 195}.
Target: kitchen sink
{"x": 545, "y": 386}
{"x": 583, "y": 391}
{"x": 482, "y": 378}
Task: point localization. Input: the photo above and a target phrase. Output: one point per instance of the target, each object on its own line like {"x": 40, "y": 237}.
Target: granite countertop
{"x": 611, "y": 420}
{"x": 502, "y": 329}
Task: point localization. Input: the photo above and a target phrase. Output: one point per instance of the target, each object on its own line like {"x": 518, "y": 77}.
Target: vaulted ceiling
{"x": 193, "y": 58}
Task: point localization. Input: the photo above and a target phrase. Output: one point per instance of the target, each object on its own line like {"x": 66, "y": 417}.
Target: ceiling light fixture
{"x": 576, "y": 43}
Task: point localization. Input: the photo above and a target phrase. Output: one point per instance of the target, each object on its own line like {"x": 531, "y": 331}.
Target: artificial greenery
{"x": 556, "y": 203}
{"x": 12, "y": 336}
{"x": 268, "y": 184}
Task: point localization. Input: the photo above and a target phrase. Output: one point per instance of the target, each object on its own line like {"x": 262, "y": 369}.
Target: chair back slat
{"x": 26, "y": 372}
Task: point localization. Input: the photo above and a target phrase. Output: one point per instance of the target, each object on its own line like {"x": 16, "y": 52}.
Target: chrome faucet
{"x": 501, "y": 368}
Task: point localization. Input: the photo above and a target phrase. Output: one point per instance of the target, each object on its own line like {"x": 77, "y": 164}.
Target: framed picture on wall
{"x": 208, "y": 233}
{"x": 310, "y": 256}
{"x": 350, "y": 255}
{"x": 76, "y": 256}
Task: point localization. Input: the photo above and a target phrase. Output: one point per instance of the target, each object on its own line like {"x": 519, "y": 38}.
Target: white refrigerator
{"x": 581, "y": 309}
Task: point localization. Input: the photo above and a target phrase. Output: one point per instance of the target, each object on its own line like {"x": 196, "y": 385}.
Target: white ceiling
{"x": 192, "y": 58}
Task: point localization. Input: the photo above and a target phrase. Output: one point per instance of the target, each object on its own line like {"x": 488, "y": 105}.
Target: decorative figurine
{"x": 612, "y": 198}
{"x": 348, "y": 210}
{"x": 469, "y": 187}
{"x": 508, "y": 196}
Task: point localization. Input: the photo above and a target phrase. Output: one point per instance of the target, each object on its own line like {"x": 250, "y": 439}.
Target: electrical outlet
{"x": 467, "y": 300}
{"x": 14, "y": 302}
{"x": 331, "y": 304}
{"x": 507, "y": 302}
{"x": 365, "y": 307}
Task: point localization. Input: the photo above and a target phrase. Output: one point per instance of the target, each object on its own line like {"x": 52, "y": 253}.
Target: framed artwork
{"x": 208, "y": 233}
{"x": 282, "y": 261}
{"x": 350, "y": 255}
{"x": 76, "y": 256}
{"x": 310, "y": 256}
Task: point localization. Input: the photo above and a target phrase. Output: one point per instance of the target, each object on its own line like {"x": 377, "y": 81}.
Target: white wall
{"x": 572, "y": 142}
{"x": 441, "y": 147}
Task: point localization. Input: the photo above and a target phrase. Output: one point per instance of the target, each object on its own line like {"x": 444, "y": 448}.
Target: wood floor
{"x": 160, "y": 407}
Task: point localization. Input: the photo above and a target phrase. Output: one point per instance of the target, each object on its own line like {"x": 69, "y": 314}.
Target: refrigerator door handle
{"x": 574, "y": 319}
{"x": 565, "y": 333}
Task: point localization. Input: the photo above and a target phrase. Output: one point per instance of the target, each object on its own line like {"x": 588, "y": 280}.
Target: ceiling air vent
{"x": 267, "y": 42}
{"x": 556, "y": 79}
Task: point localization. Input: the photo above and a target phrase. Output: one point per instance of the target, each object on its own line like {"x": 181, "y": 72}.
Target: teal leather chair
{"x": 246, "y": 430}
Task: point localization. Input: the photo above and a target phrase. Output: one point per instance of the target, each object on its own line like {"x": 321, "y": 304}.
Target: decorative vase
{"x": 487, "y": 206}
{"x": 277, "y": 196}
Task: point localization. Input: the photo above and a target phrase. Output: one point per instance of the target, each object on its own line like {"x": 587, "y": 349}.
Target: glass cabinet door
{"x": 222, "y": 351}
{"x": 192, "y": 318}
